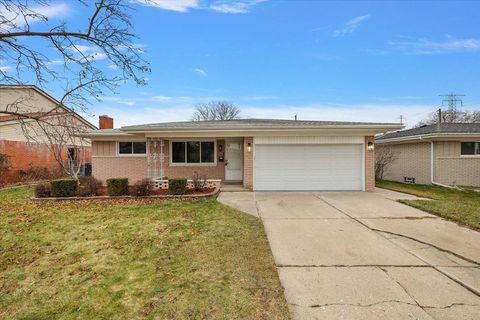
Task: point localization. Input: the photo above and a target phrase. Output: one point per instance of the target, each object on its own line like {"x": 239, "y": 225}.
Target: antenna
{"x": 402, "y": 118}
{"x": 451, "y": 100}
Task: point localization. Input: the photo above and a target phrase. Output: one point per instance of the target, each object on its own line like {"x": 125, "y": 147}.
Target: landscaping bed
{"x": 134, "y": 260}
{"x": 89, "y": 188}
{"x": 461, "y": 206}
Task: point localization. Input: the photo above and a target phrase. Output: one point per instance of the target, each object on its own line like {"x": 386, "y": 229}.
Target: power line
{"x": 451, "y": 100}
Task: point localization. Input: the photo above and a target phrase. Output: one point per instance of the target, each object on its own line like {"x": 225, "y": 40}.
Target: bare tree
{"x": 384, "y": 157}
{"x": 452, "y": 115}
{"x": 32, "y": 45}
{"x": 216, "y": 110}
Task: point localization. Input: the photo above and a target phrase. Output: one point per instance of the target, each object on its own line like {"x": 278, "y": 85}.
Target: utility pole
{"x": 451, "y": 100}
{"x": 402, "y": 118}
{"x": 295, "y": 117}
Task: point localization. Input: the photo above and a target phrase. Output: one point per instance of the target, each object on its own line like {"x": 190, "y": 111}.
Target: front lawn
{"x": 456, "y": 205}
{"x": 130, "y": 260}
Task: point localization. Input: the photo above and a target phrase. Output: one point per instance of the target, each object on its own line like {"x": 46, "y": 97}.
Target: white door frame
{"x": 239, "y": 176}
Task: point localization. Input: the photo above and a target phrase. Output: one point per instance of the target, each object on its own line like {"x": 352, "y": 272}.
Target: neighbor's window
{"x": 193, "y": 152}
{"x": 470, "y": 148}
{"x": 132, "y": 147}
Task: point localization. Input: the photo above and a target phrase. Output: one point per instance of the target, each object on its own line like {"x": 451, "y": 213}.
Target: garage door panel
{"x": 308, "y": 167}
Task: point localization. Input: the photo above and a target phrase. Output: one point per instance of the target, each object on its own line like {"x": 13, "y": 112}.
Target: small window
{"x": 193, "y": 152}
{"x": 470, "y": 148}
{"x": 208, "y": 151}
{"x": 132, "y": 147}
{"x": 178, "y": 152}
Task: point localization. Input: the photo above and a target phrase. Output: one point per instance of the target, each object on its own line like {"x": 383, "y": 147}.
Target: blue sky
{"x": 358, "y": 61}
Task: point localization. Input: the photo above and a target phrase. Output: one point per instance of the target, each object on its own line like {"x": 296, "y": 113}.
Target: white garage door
{"x": 308, "y": 167}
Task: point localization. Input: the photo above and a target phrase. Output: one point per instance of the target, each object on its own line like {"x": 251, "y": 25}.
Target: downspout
{"x": 432, "y": 167}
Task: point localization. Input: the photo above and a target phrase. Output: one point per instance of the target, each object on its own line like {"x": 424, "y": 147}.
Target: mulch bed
{"x": 158, "y": 195}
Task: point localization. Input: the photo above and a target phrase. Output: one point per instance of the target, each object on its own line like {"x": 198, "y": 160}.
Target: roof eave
{"x": 428, "y": 136}
{"x": 379, "y": 128}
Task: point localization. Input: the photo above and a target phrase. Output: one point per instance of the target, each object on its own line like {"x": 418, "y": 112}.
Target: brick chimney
{"x": 105, "y": 122}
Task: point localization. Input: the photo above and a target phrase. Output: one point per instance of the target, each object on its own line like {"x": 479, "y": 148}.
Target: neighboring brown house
{"x": 444, "y": 153}
{"x": 23, "y": 153}
{"x": 261, "y": 154}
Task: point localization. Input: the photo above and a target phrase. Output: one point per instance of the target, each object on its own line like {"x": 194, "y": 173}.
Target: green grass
{"x": 181, "y": 260}
{"x": 461, "y": 206}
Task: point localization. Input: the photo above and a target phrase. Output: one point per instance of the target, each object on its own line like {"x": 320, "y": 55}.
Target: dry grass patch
{"x": 183, "y": 260}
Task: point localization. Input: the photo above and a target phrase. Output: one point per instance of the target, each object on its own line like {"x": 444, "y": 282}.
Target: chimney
{"x": 105, "y": 122}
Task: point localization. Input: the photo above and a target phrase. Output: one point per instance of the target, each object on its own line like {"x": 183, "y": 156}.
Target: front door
{"x": 234, "y": 161}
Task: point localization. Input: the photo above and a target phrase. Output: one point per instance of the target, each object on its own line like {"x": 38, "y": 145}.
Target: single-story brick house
{"x": 262, "y": 154}
{"x": 443, "y": 153}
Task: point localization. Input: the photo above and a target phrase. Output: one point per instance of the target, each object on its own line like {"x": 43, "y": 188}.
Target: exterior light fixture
{"x": 249, "y": 147}
{"x": 370, "y": 146}
{"x": 220, "y": 148}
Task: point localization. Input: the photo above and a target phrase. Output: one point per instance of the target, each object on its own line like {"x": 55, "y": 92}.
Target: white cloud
{"x": 173, "y": 5}
{"x": 234, "y": 6}
{"x": 49, "y": 11}
{"x": 424, "y": 46}
{"x": 166, "y": 108}
{"x": 200, "y": 72}
{"x": 5, "y": 68}
{"x": 162, "y": 98}
{"x": 90, "y": 53}
{"x": 225, "y": 6}
{"x": 54, "y": 62}
{"x": 351, "y": 25}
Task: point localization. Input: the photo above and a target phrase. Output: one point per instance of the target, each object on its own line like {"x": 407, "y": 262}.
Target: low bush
{"x": 35, "y": 173}
{"x": 42, "y": 190}
{"x": 199, "y": 182}
{"x": 64, "y": 187}
{"x": 89, "y": 186}
{"x": 177, "y": 186}
{"x": 142, "y": 188}
{"x": 117, "y": 187}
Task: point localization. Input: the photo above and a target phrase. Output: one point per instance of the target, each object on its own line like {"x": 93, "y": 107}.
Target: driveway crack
{"x": 379, "y": 232}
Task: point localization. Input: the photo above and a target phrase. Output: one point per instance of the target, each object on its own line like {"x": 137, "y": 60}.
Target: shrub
{"x": 4, "y": 163}
{"x": 42, "y": 190}
{"x": 63, "y": 187}
{"x": 35, "y": 173}
{"x": 142, "y": 188}
{"x": 177, "y": 186}
{"x": 4, "y": 167}
{"x": 117, "y": 187}
{"x": 199, "y": 182}
{"x": 88, "y": 187}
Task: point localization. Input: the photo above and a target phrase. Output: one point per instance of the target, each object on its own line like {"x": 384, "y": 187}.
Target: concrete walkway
{"x": 362, "y": 255}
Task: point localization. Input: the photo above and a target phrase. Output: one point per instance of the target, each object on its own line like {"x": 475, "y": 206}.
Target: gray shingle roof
{"x": 247, "y": 124}
{"x": 442, "y": 128}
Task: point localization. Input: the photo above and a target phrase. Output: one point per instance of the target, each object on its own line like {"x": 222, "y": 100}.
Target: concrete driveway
{"x": 365, "y": 256}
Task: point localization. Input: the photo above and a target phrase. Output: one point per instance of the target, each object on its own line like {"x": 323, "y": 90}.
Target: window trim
{"x": 131, "y": 154}
{"x": 185, "y": 164}
{"x": 469, "y": 155}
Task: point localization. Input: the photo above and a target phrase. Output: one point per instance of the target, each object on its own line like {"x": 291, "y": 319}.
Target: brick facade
{"x": 248, "y": 163}
{"x": 24, "y": 155}
{"x": 106, "y": 164}
{"x": 369, "y": 165}
{"x": 133, "y": 168}
{"x": 411, "y": 160}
